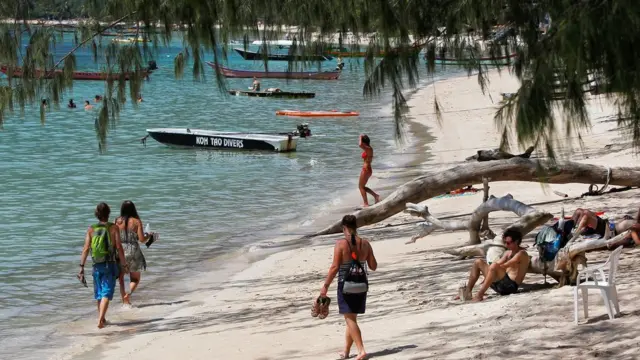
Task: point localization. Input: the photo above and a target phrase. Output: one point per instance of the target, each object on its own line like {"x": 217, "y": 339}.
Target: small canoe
{"x": 77, "y": 75}
{"x": 274, "y": 94}
{"x": 252, "y": 55}
{"x": 319, "y": 113}
{"x": 248, "y": 74}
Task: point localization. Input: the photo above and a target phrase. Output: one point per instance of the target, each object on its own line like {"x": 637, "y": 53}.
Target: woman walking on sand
{"x": 367, "y": 171}
{"x": 351, "y": 302}
{"x": 131, "y": 235}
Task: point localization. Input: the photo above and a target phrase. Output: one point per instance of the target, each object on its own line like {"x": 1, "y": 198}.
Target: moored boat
{"x": 219, "y": 140}
{"x": 317, "y": 113}
{"x": 500, "y": 60}
{"x": 279, "y": 43}
{"x": 274, "y": 94}
{"x": 252, "y": 55}
{"x": 77, "y": 75}
{"x": 131, "y": 40}
{"x": 310, "y": 75}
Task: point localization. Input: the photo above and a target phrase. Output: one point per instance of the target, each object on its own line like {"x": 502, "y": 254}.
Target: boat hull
{"x": 223, "y": 141}
{"x": 252, "y": 55}
{"x": 299, "y": 113}
{"x": 273, "y": 94}
{"x": 77, "y": 75}
{"x": 303, "y": 75}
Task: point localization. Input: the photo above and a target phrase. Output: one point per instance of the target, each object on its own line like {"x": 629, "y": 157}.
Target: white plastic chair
{"x": 607, "y": 286}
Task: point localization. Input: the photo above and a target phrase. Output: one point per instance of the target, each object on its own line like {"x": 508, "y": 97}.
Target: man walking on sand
{"x": 103, "y": 240}
{"x": 505, "y": 275}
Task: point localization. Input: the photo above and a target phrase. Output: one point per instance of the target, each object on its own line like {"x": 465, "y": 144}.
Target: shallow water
{"x": 202, "y": 202}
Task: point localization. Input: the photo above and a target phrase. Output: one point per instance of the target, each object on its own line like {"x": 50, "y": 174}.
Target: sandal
{"x": 315, "y": 309}
{"x": 324, "y": 307}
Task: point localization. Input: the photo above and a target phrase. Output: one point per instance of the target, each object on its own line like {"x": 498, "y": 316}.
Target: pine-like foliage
{"x": 588, "y": 42}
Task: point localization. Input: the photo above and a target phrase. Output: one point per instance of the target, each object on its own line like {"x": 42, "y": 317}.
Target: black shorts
{"x": 505, "y": 286}
{"x": 601, "y": 228}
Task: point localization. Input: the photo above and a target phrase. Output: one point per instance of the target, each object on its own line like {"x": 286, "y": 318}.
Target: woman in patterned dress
{"x": 131, "y": 235}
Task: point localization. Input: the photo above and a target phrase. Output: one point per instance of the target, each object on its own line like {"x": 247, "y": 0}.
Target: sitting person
{"x": 505, "y": 275}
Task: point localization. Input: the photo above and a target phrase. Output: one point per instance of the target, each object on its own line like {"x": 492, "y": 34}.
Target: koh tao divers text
{"x": 207, "y": 141}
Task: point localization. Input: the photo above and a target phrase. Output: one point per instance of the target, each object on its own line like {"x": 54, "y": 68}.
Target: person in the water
{"x": 256, "y": 85}
{"x": 71, "y": 104}
{"x": 367, "y": 171}
{"x": 98, "y": 98}
{"x": 87, "y": 105}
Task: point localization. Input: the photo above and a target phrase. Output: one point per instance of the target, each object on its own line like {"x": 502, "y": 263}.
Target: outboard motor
{"x": 153, "y": 65}
{"x": 303, "y": 130}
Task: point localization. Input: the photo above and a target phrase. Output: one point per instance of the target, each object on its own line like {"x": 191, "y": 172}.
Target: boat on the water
{"x": 274, "y": 94}
{"x": 318, "y": 113}
{"x": 501, "y": 60}
{"x": 77, "y": 75}
{"x": 310, "y": 75}
{"x": 131, "y": 40}
{"x": 279, "y": 43}
{"x": 252, "y": 55}
{"x": 220, "y": 140}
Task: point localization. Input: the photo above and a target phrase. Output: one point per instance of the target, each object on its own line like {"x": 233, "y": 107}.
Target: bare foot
{"x": 377, "y": 197}
{"x": 343, "y": 355}
{"x": 125, "y": 299}
{"x": 477, "y": 298}
{"x": 362, "y": 356}
{"x": 101, "y": 323}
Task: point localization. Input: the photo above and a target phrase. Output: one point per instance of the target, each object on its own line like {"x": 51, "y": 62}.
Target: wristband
{"x": 81, "y": 265}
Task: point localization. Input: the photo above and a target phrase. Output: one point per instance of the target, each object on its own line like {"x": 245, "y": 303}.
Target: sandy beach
{"x": 259, "y": 308}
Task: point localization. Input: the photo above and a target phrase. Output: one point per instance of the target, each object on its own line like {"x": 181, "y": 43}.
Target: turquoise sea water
{"x": 202, "y": 202}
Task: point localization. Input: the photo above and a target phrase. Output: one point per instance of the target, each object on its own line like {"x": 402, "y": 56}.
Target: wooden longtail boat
{"x": 310, "y": 75}
{"x": 502, "y": 60}
{"x": 77, "y": 75}
{"x": 274, "y": 94}
{"x": 252, "y": 55}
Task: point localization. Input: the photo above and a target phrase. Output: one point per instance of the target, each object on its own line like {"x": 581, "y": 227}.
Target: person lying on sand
{"x": 634, "y": 237}
{"x": 503, "y": 276}
{"x": 590, "y": 223}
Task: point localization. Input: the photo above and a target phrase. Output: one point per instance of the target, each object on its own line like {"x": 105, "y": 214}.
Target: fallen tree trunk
{"x": 515, "y": 169}
{"x": 530, "y": 218}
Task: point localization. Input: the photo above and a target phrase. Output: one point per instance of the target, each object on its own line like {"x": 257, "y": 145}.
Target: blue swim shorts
{"x": 105, "y": 276}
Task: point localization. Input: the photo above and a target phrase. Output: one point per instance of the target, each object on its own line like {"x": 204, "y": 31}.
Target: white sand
{"x": 264, "y": 311}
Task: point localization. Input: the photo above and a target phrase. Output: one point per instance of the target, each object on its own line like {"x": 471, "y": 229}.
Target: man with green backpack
{"x": 103, "y": 240}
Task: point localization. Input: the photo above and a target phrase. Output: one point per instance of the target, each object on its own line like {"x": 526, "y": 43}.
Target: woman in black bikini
{"x": 350, "y": 305}
{"x": 367, "y": 171}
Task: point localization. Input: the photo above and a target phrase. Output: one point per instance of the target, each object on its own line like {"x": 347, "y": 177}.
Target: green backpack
{"x": 102, "y": 249}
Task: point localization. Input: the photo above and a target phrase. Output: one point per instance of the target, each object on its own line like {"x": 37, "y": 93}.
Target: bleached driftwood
{"x": 485, "y": 197}
{"x": 515, "y": 169}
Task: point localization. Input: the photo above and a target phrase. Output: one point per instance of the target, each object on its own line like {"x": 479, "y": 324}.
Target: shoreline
{"x": 240, "y": 259}
{"x": 262, "y": 311}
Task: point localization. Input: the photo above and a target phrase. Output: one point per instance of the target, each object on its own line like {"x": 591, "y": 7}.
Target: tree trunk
{"x": 485, "y": 197}
{"x": 515, "y": 169}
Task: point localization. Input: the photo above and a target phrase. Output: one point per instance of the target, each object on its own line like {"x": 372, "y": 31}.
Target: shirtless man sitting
{"x": 503, "y": 276}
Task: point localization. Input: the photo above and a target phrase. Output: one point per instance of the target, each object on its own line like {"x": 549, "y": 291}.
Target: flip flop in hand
{"x": 315, "y": 309}
{"x": 324, "y": 307}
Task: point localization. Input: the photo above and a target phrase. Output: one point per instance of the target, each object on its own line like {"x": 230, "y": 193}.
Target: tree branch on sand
{"x": 515, "y": 169}
{"x": 530, "y": 219}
